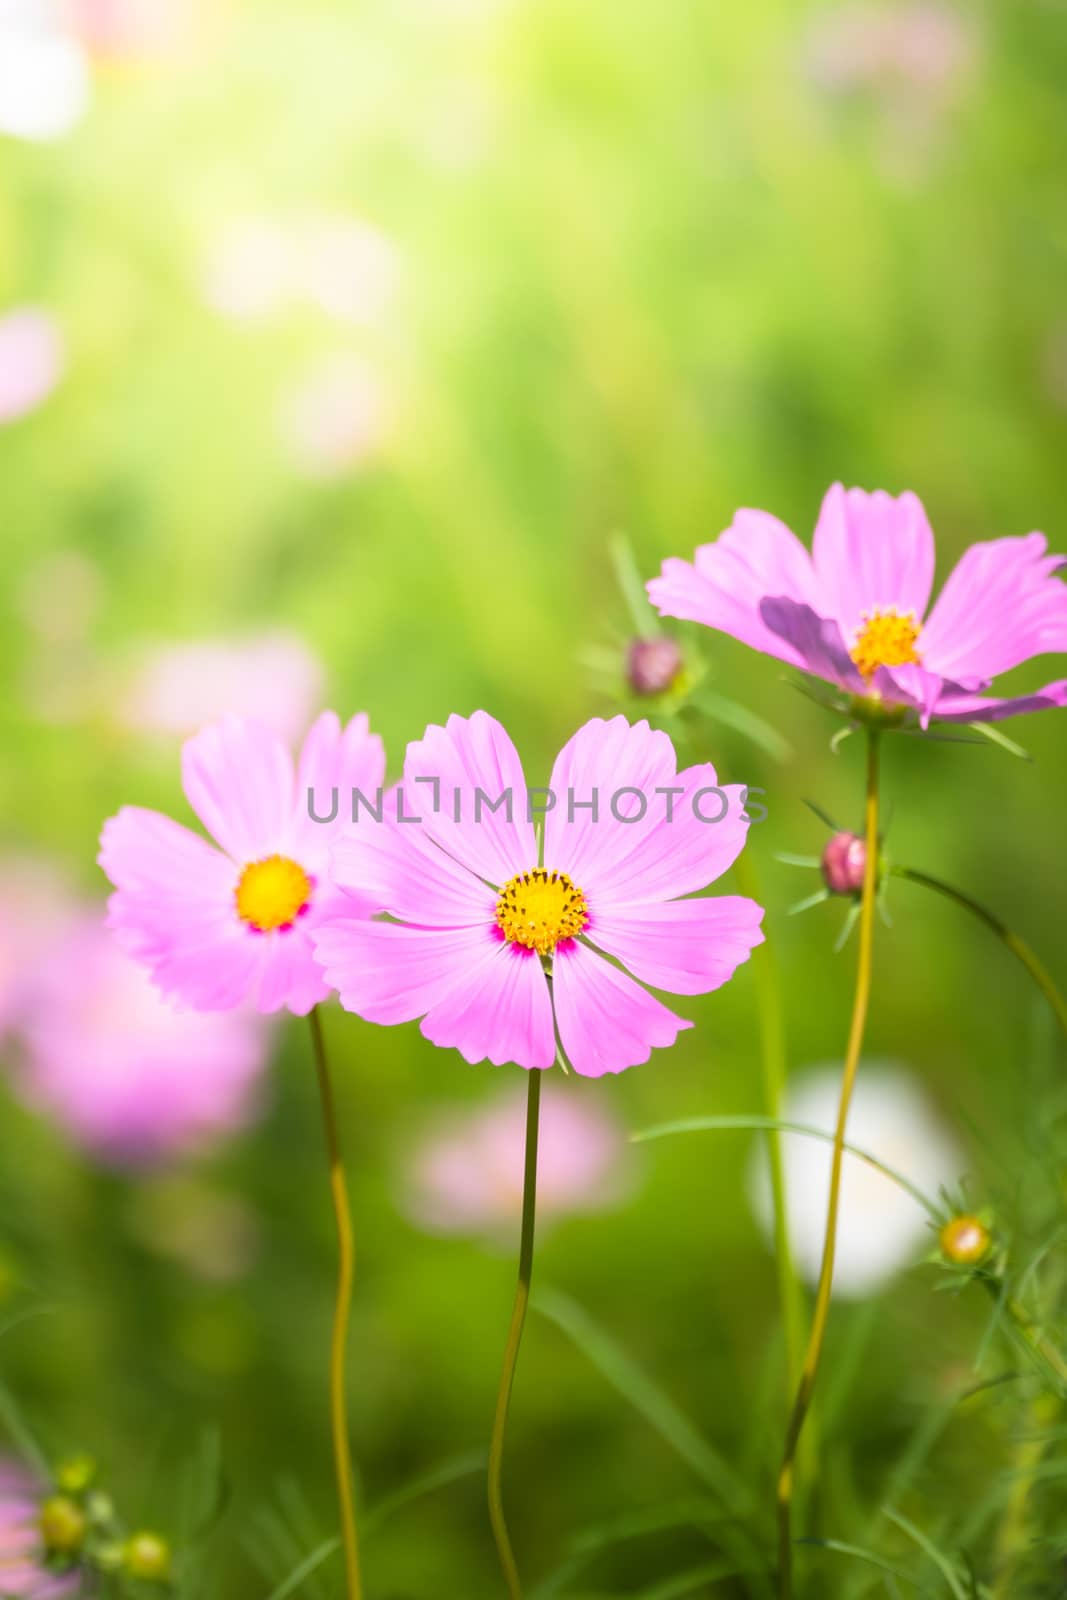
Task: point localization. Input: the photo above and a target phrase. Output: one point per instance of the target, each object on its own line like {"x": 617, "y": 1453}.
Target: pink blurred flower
{"x": 31, "y": 361}
{"x": 35, "y": 906}
{"x": 464, "y": 1175}
{"x": 219, "y": 926}
{"x": 477, "y": 920}
{"x": 22, "y": 1573}
{"x": 273, "y": 677}
{"x": 921, "y": 47}
{"x": 854, "y": 611}
{"x": 124, "y": 1072}
{"x": 137, "y": 30}
{"x": 336, "y": 416}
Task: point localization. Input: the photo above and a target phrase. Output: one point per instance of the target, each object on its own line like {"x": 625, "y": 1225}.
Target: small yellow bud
{"x": 146, "y": 1555}
{"x": 63, "y": 1524}
{"x": 965, "y": 1241}
{"x": 75, "y": 1474}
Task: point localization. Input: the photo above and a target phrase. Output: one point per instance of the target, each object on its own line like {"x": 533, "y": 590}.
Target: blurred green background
{"x": 617, "y": 267}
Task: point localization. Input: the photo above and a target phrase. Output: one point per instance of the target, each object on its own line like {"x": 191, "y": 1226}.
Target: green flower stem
{"x": 810, "y": 1370}
{"x": 511, "y": 1350}
{"x": 1017, "y": 946}
{"x": 342, "y": 1312}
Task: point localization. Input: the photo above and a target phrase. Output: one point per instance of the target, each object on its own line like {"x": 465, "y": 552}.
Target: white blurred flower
{"x": 44, "y": 72}
{"x": 335, "y": 416}
{"x": 31, "y": 346}
{"x": 250, "y": 268}
{"x": 348, "y": 268}
{"x": 881, "y": 1227}
{"x": 177, "y": 688}
{"x": 465, "y": 1174}
{"x": 261, "y": 266}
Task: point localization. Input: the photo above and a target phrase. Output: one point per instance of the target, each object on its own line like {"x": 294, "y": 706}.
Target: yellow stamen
{"x": 886, "y": 640}
{"x": 272, "y": 893}
{"x": 539, "y": 908}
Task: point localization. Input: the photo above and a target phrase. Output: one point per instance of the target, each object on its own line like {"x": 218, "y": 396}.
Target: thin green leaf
{"x": 632, "y": 587}
{"x": 748, "y": 723}
{"x": 840, "y": 1548}
{"x": 310, "y": 1563}
{"x": 941, "y": 1561}
{"x": 644, "y": 1395}
{"x": 754, "y": 1123}
{"x": 21, "y": 1435}
{"x": 461, "y": 1466}
{"x": 996, "y": 735}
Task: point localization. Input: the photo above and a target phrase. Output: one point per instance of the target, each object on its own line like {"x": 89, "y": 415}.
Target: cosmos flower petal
{"x": 606, "y": 1021}
{"x": 683, "y": 946}
{"x": 723, "y": 586}
{"x": 448, "y": 769}
{"x": 1001, "y": 604}
{"x": 156, "y": 862}
{"x": 499, "y": 1011}
{"x": 596, "y": 763}
{"x": 909, "y": 684}
{"x": 815, "y": 641}
{"x": 981, "y": 708}
{"x": 173, "y": 909}
{"x": 388, "y": 972}
{"x": 238, "y": 778}
{"x": 872, "y": 552}
{"x": 333, "y": 758}
{"x": 289, "y": 978}
{"x": 407, "y": 875}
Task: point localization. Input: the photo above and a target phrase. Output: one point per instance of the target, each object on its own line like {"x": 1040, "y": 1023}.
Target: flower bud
{"x": 652, "y": 665}
{"x": 147, "y": 1556}
{"x": 75, "y": 1474}
{"x": 844, "y": 862}
{"x": 965, "y": 1241}
{"x": 63, "y": 1525}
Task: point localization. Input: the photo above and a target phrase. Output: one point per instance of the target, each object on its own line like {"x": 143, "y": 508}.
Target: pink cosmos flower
{"x": 271, "y": 677}
{"x": 22, "y": 1572}
{"x": 464, "y": 1175}
{"x": 130, "y": 1077}
{"x": 495, "y": 951}
{"x": 218, "y": 926}
{"x": 854, "y": 611}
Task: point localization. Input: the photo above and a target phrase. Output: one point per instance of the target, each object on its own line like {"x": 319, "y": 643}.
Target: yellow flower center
{"x": 272, "y": 893}
{"x": 539, "y": 908}
{"x": 886, "y": 640}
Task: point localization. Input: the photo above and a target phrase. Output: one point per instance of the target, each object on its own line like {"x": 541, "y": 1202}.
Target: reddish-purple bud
{"x": 652, "y": 665}
{"x": 843, "y": 863}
